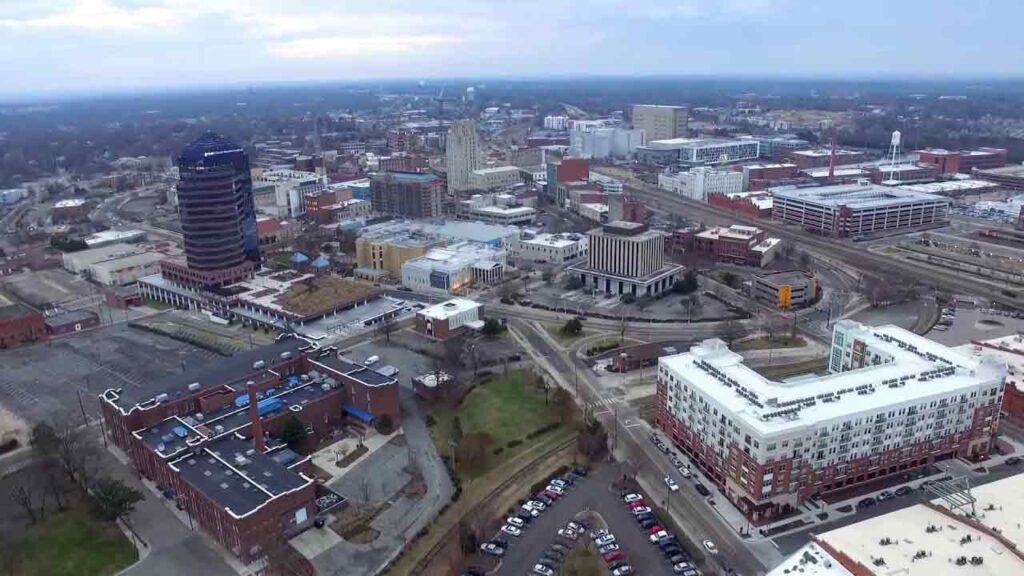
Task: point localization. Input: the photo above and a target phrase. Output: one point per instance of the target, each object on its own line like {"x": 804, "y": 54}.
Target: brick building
{"x": 962, "y": 161}
{"x": 745, "y": 245}
{"x": 410, "y": 194}
{"x": 208, "y": 437}
{"x": 71, "y": 322}
{"x": 893, "y": 401}
{"x": 19, "y": 324}
{"x": 752, "y": 204}
{"x": 821, "y": 157}
{"x": 449, "y": 318}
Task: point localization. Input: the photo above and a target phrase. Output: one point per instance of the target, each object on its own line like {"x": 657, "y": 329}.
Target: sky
{"x": 53, "y": 46}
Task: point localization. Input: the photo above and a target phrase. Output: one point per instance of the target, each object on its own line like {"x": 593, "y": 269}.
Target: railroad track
{"x": 858, "y": 257}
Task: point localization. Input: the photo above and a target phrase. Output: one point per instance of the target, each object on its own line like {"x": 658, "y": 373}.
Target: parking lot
{"x": 976, "y": 324}
{"x": 593, "y": 494}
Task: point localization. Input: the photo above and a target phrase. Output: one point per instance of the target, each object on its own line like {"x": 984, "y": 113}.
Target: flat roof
{"x": 790, "y": 277}
{"x": 360, "y": 373}
{"x": 449, "y": 308}
{"x": 1016, "y": 171}
{"x": 72, "y": 317}
{"x": 505, "y": 210}
{"x": 496, "y": 170}
{"x": 554, "y": 240}
{"x": 69, "y": 203}
{"x": 922, "y": 541}
{"x": 950, "y": 186}
{"x": 921, "y": 368}
{"x": 819, "y": 152}
{"x": 113, "y": 236}
{"x": 855, "y": 195}
{"x": 14, "y": 311}
{"x": 810, "y": 560}
{"x": 322, "y": 294}
{"x": 129, "y": 261}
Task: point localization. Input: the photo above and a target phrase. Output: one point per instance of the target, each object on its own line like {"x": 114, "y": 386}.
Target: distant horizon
{"x": 115, "y": 46}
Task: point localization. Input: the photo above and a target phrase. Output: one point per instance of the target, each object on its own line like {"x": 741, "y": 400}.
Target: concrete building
{"x": 854, "y": 210}
{"x": 604, "y": 143}
{"x": 12, "y": 195}
{"x": 462, "y": 155}
{"x": 290, "y": 189}
{"x": 409, "y": 194}
{"x": 449, "y": 318}
{"x": 596, "y": 212}
{"x": 124, "y": 270}
{"x": 777, "y": 148}
{"x": 743, "y": 245}
{"x": 821, "y": 157}
{"x": 626, "y": 258}
{"x": 19, "y": 324}
{"x": 893, "y": 401}
{"x": 495, "y": 209}
{"x": 558, "y": 249}
{"x": 700, "y": 182}
{"x": 788, "y": 289}
{"x": 556, "y": 122}
{"x": 454, "y": 268}
{"x": 381, "y": 253}
{"x": 497, "y": 178}
{"x": 209, "y": 438}
{"x": 661, "y": 122}
{"x": 1011, "y": 177}
{"x": 688, "y": 152}
{"x": 962, "y": 161}
{"x": 79, "y": 262}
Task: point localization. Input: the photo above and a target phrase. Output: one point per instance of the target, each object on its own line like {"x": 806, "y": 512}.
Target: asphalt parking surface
{"x": 593, "y": 493}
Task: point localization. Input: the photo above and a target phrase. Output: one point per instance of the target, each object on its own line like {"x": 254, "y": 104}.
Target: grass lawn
{"x": 507, "y": 407}
{"x": 762, "y": 343}
{"x": 584, "y": 561}
{"x": 73, "y": 543}
{"x": 563, "y": 339}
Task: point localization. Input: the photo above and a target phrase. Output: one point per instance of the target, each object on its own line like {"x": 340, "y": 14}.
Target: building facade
{"x": 743, "y": 245}
{"x": 661, "y": 122}
{"x": 962, "y": 161}
{"x": 700, "y": 182}
{"x": 462, "y": 155}
{"x": 498, "y": 178}
{"x": 19, "y": 325}
{"x": 558, "y": 249}
{"x": 787, "y": 289}
{"x": 854, "y": 210}
{"x": 409, "y": 194}
{"x": 626, "y": 258}
{"x": 449, "y": 318}
{"x": 893, "y": 401}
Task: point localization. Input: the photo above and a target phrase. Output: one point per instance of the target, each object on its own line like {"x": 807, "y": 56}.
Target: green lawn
{"x": 72, "y": 543}
{"x": 563, "y": 339}
{"x": 762, "y": 343}
{"x": 507, "y": 407}
{"x": 584, "y": 561}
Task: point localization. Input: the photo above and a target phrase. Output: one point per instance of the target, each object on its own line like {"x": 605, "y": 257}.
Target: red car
{"x": 655, "y": 529}
{"x": 550, "y": 494}
{"x": 613, "y": 556}
{"x": 637, "y": 504}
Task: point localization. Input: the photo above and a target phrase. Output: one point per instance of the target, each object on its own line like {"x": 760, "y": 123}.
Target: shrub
{"x": 514, "y": 443}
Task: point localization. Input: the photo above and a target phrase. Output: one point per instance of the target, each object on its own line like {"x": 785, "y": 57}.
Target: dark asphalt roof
{"x": 357, "y": 372}
{"x": 15, "y": 311}
{"x": 237, "y": 368}
{"x": 72, "y": 317}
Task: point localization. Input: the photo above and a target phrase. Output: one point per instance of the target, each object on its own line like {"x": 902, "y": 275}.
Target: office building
{"x": 689, "y": 152}
{"x": 454, "y": 268}
{"x": 605, "y": 143}
{"x": 409, "y": 194}
{"x": 209, "y": 438}
{"x": 786, "y": 289}
{"x": 854, "y": 210}
{"x": 291, "y": 187}
{"x": 497, "y": 178}
{"x": 951, "y": 532}
{"x": 742, "y": 245}
{"x": 776, "y": 148}
{"x": 449, "y": 318}
{"x": 462, "y": 155}
{"x": 700, "y": 182}
{"x": 626, "y": 258}
{"x": 558, "y": 249}
{"x": 217, "y": 212}
{"x": 502, "y": 209}
{"x": 962, "y": 161}
{"x": 563, "y": 171}
{"x": 660, "y": 122}
{"x": 892, "y": 402}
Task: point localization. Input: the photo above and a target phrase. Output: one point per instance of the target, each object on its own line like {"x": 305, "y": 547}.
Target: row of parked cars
{"x": 680, "y": 466}
{"x": 667, "y": 542}
{"x": 609, "y": 550}
{"x": 554, "y": 556}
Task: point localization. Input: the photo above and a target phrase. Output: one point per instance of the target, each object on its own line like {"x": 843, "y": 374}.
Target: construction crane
{"x": 832, "y": 157}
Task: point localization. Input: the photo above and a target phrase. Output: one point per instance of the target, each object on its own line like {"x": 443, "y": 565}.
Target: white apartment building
{"x": 892, "y": 401}
{"x": 661, "y": 122}
{"x": 700, "y": 182}
{"x": 290, "y": 189}
{"x": 559, "y": 249}
{"x": 462, "y": 155}
{"x": 555, "y": 122}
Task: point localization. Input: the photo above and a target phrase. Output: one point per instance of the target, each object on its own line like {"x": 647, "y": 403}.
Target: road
{"x": 631, "y": 444}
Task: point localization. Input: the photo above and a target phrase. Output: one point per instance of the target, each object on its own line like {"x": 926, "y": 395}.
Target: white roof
{"x": 496, "y": 170}
{"x": 70, "y": 203}
{"x": 449, "y": 308}
{"x": 918, "y": 371}
{"x": 810, "y": 560}
{"x": 112, "y": 236}
{"x": 554, "y": 240}
{"x": 505, "y": 211}
{"x": 908, "y": 534}
{"x": 950, "y": 186}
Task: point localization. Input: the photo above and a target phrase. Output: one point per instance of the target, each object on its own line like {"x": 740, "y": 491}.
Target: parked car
{"x": 535, "y": 505}
{"x": 622, "y": 570}
{"x": 605, "y": 540}
{"x": 613, "y": 556}
{"x": 1012, "y": 461}
{"x": 866, "y": 502}
{"x": 701, "y": 489}
{"x": 499, "y": 541}
{"x": 533, "y": 512}
{"x": 903, "y": 490}
{"x": 515, "y": 521}
{"x": 492, "y": 549}
{"x": 656, "y": 536}
{"x": 671, "y": 484}
{"x": 559, "y": 483}
{"x": 574, "y": 527}
{"x": 556, "y": 489}
{"x": 543, "y": 570}
{"x": 710, "y": 547}
{"x": 684, "y": 471}
{"x": 641, "y": 510}
{"x": 511, "y": 530}
{"x": 567, "y": 533}
{"x": 645, "y": 516}
{"x": 609, "y": 548}
{"x": 629, "y": 498}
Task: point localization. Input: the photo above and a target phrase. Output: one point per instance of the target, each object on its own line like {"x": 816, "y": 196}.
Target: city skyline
{"x": 106, "y": 45}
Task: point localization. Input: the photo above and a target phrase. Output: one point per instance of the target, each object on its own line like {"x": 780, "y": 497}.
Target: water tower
{"x": 894, "y": 155}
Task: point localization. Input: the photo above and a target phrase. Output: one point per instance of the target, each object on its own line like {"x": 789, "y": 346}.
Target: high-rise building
{"x": 892, "y": 401}
{"x": 218, "y": 215}
{"x": 462, "y": 155}
{"x": 660, "y": 122}
{"x": 411, "y": 194}
{"x": 627, "y": 258}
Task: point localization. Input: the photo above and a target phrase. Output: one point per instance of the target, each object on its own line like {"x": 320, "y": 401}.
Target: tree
{"x": 548, "y": 275}
{"x": 732, "y": 331}
{"x": 492, "y": 328}
{"x": 687, "y": 284}
{"x": 23, "y": 493}
{"x": 384, "y": 424}
{"x": 573, "y": 327}
{"x": 113, "y": 499}
{"x": 386, "y": 328}
{"x": 573, "y": 282}
{"x": 468, "y": 539}
{"x": 456, "y": 433}
{"x": 730, "y": 279}
{"x": 693, "y": 305}
{"x": 592, "y": 439}
{"x": 564, "y": 405}
{"x": 293, "y": 432}
{"x": 805, "y": 260}
{"x": 472, "y": 452}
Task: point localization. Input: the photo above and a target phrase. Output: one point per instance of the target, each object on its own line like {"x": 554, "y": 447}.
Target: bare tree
{"x": 386, "y": 328}
{"x": 23, "y": 493}
{"x": 732, "y": 331}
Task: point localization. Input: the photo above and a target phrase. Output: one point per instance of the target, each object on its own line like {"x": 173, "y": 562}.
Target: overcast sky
{"x": 84, "y": 45}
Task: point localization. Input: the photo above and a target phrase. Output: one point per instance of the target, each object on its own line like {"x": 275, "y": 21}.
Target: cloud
{"x": 101, "y": 15}
{"x": 347, "y": 46}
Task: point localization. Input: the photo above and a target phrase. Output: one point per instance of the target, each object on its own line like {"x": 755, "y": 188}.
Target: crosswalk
{"x": 604, "y": 404}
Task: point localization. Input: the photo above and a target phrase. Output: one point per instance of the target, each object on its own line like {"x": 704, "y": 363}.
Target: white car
{"x": 542, "y": 570}
{"x": 513, "y": 521}
{"x": 511, "y": 530}
{"x": 622, "y": 570}
{"x": 492, "y": 549}
{"x": 659, "y": 535}
{"x": 671, "y": 484}
{"x": 574, "y": 527}
{"x": 567, "y": 533}
{"x": 536, "y": 505}
{"x": 605, "y": 540}
{"x": 558, "y": 482}
{"x": 684, "y": 471}
{"x": 630, "y": 498}
{"x": 555, "y": 489}
{"x": 531, "y": 511}
{"x": 710, "y": 547}
{"x": 641, "y": 510}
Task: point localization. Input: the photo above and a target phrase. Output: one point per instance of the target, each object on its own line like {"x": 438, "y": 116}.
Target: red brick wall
{"x": 945, "y": 162}
{"x": 573, "y": 169}
{"x": 17, "y": 331}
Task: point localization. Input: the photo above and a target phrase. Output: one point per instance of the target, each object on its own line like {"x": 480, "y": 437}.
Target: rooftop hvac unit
{"x": 286, "y": 355}
{"x": 199, "y": 416}
{"x": 258, "y": 365}
{"x": 161, "y": 397}
{"x": 193, "y": 387}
